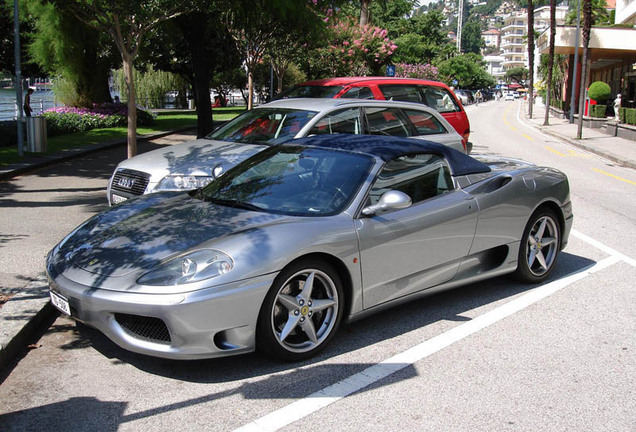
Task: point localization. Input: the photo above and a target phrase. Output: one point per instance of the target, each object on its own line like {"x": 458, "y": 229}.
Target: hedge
{"x": 628, "y": 115}
{"x": 597, "y": 111}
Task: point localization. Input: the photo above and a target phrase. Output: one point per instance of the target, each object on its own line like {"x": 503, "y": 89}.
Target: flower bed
{"x": 63, "y": 120}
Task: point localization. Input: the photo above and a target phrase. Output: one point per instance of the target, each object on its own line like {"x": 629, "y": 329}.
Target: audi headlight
{"x": 183, "y": 182}
{"x": 193, "y": 267}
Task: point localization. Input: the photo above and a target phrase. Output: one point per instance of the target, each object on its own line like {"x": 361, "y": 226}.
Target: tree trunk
{"x": 132, "y": 106}
{"x": 364, "y": 12}
{"x": 530, "y": 57}
{"x": 548, "y": 95}
{"x": 279, "y": 76}
{"x": 250, "y": 89}
{"x": 587, "y": 26}
{"x": 194, "y": 31}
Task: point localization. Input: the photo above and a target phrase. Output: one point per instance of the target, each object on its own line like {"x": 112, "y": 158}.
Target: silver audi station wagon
{"x": 193, "y": 164}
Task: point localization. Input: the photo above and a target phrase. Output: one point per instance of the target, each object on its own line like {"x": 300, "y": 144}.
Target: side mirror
{"x": 391, "y": 200}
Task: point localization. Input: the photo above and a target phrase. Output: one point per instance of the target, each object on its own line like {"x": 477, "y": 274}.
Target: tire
{"x": 540, "y": 247}
{"x": 301, "y": 312}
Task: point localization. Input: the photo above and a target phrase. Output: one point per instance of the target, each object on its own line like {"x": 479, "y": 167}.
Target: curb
{"x": 24, "y": 313}
{"x": 592, "y": 149}
{"x": 21, "y": 316}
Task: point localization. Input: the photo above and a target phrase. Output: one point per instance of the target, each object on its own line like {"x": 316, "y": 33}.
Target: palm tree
{"x": 546, "y": 120}
{"x": 530, "y": 57}
{"x": 587, "y": 27}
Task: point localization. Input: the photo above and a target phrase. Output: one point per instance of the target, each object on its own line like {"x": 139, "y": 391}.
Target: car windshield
{"x": 292, "y": 180}
{"x": 264, "y": 126}
{"x": 310, "y": 91}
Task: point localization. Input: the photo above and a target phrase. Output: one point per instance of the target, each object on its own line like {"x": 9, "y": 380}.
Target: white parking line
{"x": 322, "y": 398}
{"x": 598, "y": 245}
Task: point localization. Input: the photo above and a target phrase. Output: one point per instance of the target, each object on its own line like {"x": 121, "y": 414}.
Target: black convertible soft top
{"x": 389, "y": 147}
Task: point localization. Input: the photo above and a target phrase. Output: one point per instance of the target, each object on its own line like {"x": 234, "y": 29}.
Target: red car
{"x": 435, "y": 94}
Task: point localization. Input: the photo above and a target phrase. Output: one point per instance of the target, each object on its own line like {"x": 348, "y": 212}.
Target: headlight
{"x": 179, "y": 182}
{"x": 193, "y": 267}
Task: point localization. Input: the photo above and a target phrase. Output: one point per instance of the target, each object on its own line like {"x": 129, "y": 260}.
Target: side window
{"x": 358, "y": 93}
{"x": 425, "y": 123}
{"x": 439, "y": 99}
{"x": 421, "y": 177}
{"x": 401, "y": 93}
{"x": 386, "y": 121}
{"x": 343, "y": 121}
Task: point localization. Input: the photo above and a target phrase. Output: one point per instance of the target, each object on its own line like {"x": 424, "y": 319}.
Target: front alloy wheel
{"x": 301, "y": 312}
{"x": 540, "y": 247}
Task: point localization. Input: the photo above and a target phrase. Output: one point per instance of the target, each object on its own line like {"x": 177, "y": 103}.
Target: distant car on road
{"x": 193, "y": 164}
{"x": 509, "y": 96}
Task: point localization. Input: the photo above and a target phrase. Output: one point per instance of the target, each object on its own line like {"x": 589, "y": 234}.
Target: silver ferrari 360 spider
{"x": 277, "y": 252}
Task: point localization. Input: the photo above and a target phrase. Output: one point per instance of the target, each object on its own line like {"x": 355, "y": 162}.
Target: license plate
{"x": 60, "y": 302}
{"x": 116, "y": 199}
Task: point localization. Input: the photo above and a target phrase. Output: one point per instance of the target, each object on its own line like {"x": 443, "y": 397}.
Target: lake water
{"x": 40, "y": 100}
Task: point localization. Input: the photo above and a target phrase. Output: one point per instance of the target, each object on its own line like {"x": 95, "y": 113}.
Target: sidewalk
{"x": 618, "y": 150}
{"x": 21, "y": 316}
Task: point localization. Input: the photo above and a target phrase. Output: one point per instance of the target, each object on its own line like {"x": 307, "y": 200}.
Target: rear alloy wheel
{"x": 540, "y": 247}
{"x": 301, "y": 312}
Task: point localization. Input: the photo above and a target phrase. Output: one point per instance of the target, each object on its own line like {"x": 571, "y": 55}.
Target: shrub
{"x": 600, "y": 91}
{"x": 597, "y": 111}
{"x": 63, "y": 120}
{"x": 630, "y": 116}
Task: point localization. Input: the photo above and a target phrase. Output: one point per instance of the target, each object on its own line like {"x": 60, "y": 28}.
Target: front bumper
{"x": 207, "y": 323}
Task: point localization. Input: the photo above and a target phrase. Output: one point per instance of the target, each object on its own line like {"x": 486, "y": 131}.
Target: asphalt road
{"x": 495, "y": 355}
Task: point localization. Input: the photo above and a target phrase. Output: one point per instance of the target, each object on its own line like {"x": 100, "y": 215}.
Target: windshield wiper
{"x": 233, "y": 204}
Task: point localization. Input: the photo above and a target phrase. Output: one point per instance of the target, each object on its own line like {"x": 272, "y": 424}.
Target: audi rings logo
{"x": 126, "y": 183}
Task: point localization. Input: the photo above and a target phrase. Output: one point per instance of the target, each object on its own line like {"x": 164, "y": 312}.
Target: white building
{"x": 514, "y": 42}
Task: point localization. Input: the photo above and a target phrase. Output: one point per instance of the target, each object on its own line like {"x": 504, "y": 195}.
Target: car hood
{"x": 198, "y": 157}
{"x": 142, "y": 234}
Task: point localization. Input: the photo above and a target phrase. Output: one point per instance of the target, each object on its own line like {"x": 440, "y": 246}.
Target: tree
{"x": 72, "y": 52}
{"x": 472, "y": 41}
{"x": 468, "y": 69}
{"x": 7, "y": 55}
{"x": 353, "y": 50}
{"x": 587, "y": 28}
{"x": 546, "y": 120}
{"x": 530, "y": 57}
{"x": 127, "y": 23}
{"x": 254, "y": 24}
{"x": 517, "y": 74}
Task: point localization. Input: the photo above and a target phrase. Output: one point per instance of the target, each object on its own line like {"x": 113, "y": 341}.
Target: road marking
{"x": 325, "y": 397}
{"x": 614, "y": 176}
{"x": 528, "y": 137}
{"x": 555, "y": 151}
{"x": 600, "y": 246}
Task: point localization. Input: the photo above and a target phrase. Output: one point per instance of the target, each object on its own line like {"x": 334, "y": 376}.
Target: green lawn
{"x": 165, "y": 121}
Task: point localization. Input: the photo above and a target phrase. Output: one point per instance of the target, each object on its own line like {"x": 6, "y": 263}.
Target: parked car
{"x": 509, "y": 96}
{"x": 280, "y": 250}
{"x": 193, "y": 164}
{"x": 435, "y": 94}
{"x": 466, "y": 96}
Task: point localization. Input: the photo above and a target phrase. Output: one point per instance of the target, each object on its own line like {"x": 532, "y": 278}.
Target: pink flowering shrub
{"x": 420, "y": 71}
{"x": 63, "y": 120}
{"x": 353, "y": 50}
